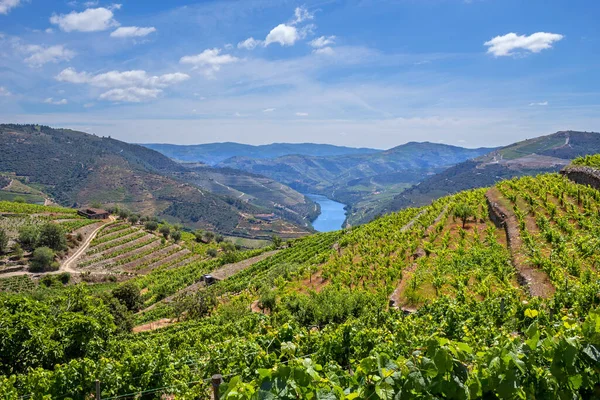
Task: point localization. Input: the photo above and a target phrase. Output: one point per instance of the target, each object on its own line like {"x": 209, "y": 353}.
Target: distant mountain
{"x": 214, "y": 153}
{"x": 529, "y": 157}
{"x": 76, "y": 169}
{"x": 360, "y": 180}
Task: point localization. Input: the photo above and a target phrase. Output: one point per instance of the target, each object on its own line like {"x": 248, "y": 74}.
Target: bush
{"x": 52, "y": 235}
{"x": 151, "y": 226}
{"x": 212, "y": 252}
{"x": 133, "y": 218}
{"x": 165, "y": 231}
{"x": 17, "y": 251}
{"x": 129, "y": 295}
{"x": 3, "y": 241}
{"x": 43, "y": 260}
{"x": 64, "y": 278}
{"x": 28, "y": 236}
{"x": 176, "y": 236}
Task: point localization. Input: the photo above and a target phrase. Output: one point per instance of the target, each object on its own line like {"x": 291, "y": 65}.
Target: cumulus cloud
{"x": 507, "y": 44}
{"x": 4, "y": 92}
{"x": 541, "y": 103}
{"x": 249, "y": 44}
{"x": 39, "y": 55}
{"x": 322, "y": 41}
{"x": 125, "y": 86}
{"x": 210, "y": 59}
{"x": 50, "y": 100}
{"x": 285, "y": 35}
{"x": 90, "y": 20}
{"x": 131, "y": 94}
{"x": 302, "y": 14}
{"x": 132, "y": 31}
{"x": 7, "y": 5}
{"x": 113, "y": 79}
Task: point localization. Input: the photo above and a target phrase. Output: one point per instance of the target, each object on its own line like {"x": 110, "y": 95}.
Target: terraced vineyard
{"x": 499, "y": 288}
{"x": 121, "y": 247}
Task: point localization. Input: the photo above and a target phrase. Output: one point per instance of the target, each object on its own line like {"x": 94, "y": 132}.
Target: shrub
{"x": 17, "y": 251}
{"x": 64, "y": 278}
{"x": 43, "y": 260}
{"x": 176, "y": 236}
{"x": 151, "y": 226}
{"x": 129, "y": 295}
{"x": 28, "y": 236}
{"x": 52, "y": 235}
{"x": 3, "y": 241}
{"x": 165, "y": 230}
{"x": 134, "y": 218}
{"x": 212, "y": 252}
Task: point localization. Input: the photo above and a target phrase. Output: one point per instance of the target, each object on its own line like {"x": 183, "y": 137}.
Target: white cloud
{"x": 210, "y": 59}
{"x": 249, "y": 44}
{"x": 50, "y": 100}
{"x": 7, "y": 5}
{"x": 228, "y": 46}
{"x": 90, "y": 20}
{"x": 268, "y": 110}
{"x": 322, "y": 41}
{"x": 541, "y": 103}
{"x": 39, "y": 55}
{"x": 4, "y": 92}
{"x": 301, "y": 14}
{"x": 301, "y": 114}
{"x": 112, "y": 79}
{"x": 131, "y": 94}
{"x": 505, "y": 45}
{"x": 132, "y": 31}
{"x": 328, "y": 51}
{"x": 283, "y": 34}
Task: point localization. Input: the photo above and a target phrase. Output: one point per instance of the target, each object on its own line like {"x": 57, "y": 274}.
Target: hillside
{"x": 76, "y": 168}
{"x": 489, "y": 293}
{"x": 532, "y": 156}
{"x": 214, "y": 153}
{"x": 360, "y": 181}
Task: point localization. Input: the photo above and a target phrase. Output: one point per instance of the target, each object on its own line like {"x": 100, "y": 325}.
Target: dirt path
{"x": 222, "y": 273}
{"x": 536, "y": 280}
{"x": 66, "y": 266}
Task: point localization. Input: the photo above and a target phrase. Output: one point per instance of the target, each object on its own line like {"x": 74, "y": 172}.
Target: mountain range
{"x": 77, "y": 168}
{"x": 214, "y": 153}
{"x": 548, "y": 153}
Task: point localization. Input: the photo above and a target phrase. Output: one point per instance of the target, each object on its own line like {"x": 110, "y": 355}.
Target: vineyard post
{"x": 97, "y": 389}
{"x": 216, "y": 382}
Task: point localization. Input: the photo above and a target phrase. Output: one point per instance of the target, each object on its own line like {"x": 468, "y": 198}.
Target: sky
{"x": 362, "y": 73}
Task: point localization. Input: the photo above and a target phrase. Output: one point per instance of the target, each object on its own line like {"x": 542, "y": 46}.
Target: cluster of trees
{"x": 44, "y": 242}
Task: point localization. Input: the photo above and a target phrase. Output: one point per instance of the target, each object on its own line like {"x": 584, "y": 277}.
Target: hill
{"x": 76, "y": 168}
{"x": 488, "y": 293}
{"x": 359, "y": 181}
{"x": 214, "y": 153}
{"x": 532, "y": 156}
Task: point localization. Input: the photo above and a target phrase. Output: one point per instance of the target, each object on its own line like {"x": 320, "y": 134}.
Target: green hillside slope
{"x": 488, "y": 293}
{"x": 76, "y": 168}
{"x": 529, "y": 157}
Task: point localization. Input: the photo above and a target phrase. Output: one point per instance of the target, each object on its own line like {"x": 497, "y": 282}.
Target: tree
{"x": 199, "y": 234}
{"x": 28, "y": 236}
{"x": 17, "y": 251}
{"x": 52, "y": 235}
{"x": 209, "y": 236}
{"x": 165, "y": 230}
{"x": 19, "y": 199}
{"x": 43, "y": 260}
{"x": 276, "y": 241}
{"x": 151, "y": 226}
{"x": 268, "y": 299}
{"x": 463, "y": 212}
{"x": 3, "y": 241}
{"x": 212, "y": 252}
{"x": 123, "y": 213}
{"x": 134, "y": 218}
{"x": 176, "y": 236}
{"x": 129, "y": 295}
{"x": 219, "y": 238}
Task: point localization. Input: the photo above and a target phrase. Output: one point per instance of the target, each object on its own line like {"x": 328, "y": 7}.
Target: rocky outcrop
{"x": 583, "y": 175}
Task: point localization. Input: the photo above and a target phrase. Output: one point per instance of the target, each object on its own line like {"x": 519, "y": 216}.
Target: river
{"x": 332, "y": 215}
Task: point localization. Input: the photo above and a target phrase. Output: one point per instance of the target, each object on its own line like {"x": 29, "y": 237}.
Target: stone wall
{"x": 583, "y": 175}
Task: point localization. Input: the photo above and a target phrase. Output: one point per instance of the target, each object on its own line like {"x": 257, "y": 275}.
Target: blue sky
{"x": 371, "y": 73}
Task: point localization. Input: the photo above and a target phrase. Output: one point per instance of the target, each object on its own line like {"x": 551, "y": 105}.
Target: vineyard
{"x": 489, "y": 293}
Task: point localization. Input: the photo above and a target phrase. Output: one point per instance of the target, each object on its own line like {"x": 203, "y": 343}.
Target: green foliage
{"x": 176, "y": 236}
{"x": 129, "y": 295}
{"x": 151, "y": 226}
{"x": 43, "y": 260}
{"x": 165, "y": 230}
{"x": 463, "y": 211}
{"x": 52, "y": 235}
{"x": 276, "y": 241}
{"x": 3, "y": 241}
{"x": 588, "y": 161}
{"x": 28, "y": 236}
